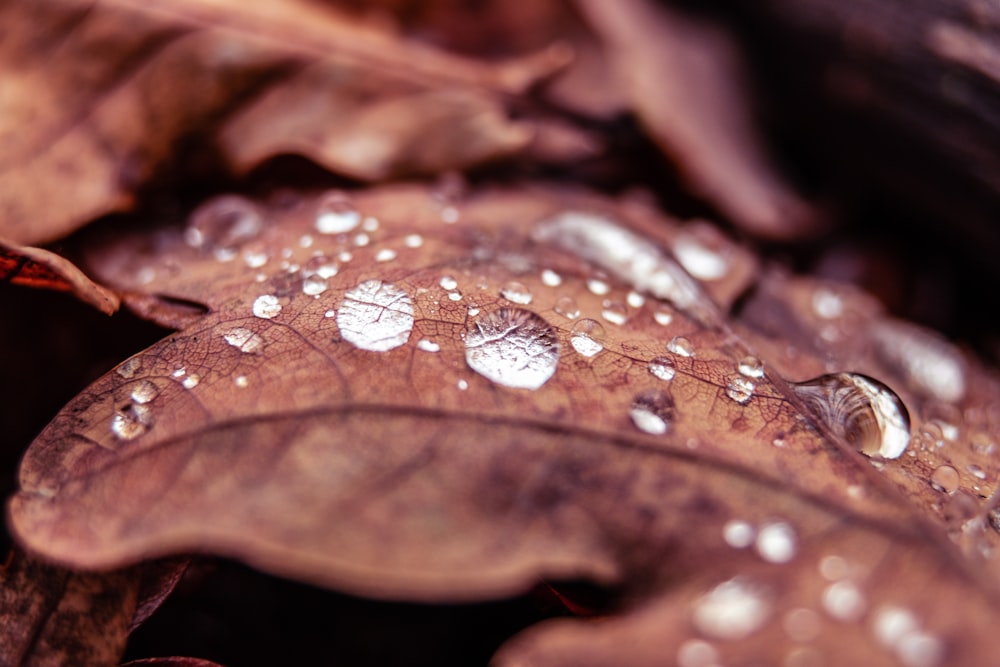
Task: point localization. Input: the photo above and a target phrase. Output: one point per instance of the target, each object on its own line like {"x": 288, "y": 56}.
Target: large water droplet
{"x": 243, "y": 339}
{"x": 222, "y": 223}
{"x": 266, "y": 306}
{"x": 740, "y": 389}
{"x": 513, "y": 347}
{"x": 567, "y": 307}
{"x": 376, "y": 316}
{"x": 652, "y": 412}
{"x": 516, "y": 292}
{"x": 733, "y": 610}
{"x": 861, "y": 410}
{"x": 335, "y": 213}
{"x": 663, "y": 368}
{"x": 144, "y": 392}
{"x": 131, "y": 422}
{"x": 681, "y": 346}
{"x": 587, "y": 337}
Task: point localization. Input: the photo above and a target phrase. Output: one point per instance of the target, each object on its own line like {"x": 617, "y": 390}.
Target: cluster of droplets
{"x": 134, "y": 419}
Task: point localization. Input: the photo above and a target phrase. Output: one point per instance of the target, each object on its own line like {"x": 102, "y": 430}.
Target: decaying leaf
{"x": 402, "y": 394}
{"x": 37, "y": 267}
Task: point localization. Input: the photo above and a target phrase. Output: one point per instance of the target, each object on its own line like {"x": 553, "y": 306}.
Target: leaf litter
{"x": 325, "y": 454}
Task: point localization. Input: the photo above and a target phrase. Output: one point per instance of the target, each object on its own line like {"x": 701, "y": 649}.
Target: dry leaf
{"x": 36, "y": 267}
{"x": 407, "y": 394}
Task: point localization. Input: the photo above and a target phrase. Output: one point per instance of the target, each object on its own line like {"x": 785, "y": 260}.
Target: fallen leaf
{"x": 173, "y": 661}
{"x": 402, "y": 396}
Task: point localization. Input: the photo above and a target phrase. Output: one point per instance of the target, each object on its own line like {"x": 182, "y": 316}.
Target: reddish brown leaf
{"x": 173, "y": 661}
{"x": 35, "y": 267}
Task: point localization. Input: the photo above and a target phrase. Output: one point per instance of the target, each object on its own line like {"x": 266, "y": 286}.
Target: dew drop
{"x": 241, "y": 381}
{"x": 330, "y": 313}
{"x": 587, "y": 337}
{"x": 243, "y": 339}
{"x": 305, "y": 241}
{"x": 314, "y": 285}
{"x": 738, "y": 534}
{"x": 385, "y": 255}
{"x": 255, "y": 255}
{"x": 550, "y": 278}
{"x": 733, "y": 610}
{"x": 750, "y": 367}
{"x": 663, "y": 368}
{"x": 335, "y": 214}
{"x": 863, "y": 411}
{"x": 413, "y": 240}
{"x": 144, "y": 392}
{"x": 449, "y": 215}
{"x": 614, "y": 312}
{"x": 827, "y": 304}
{"x": 598, "y": 286}
{"x": 635, "y": 299}
{"x": 512, "y": 347}
{"x": 131, "y": 422}
{"x": 462, "y": 385}
{"x": 844, "y": 601}
{"x": 448, "y": 283}
{"x": 222, "y": 223}
{"x": 516, "y": 292}
{"x": 376, "y": 316}
{"x": 370, "y": 224}
{"x": 945, "y": 479}
{"x": 266, "y": 306}
{"x": 361, "y": 240}
{"x": 652, "y": 412}
{"x": 428, "y": 345}
{"x": 454, "y": 296}
{"x": 472, "y": 311}
{"x": 681, "y": 346}
{"x": 567, "y": 307}
{"x": 191, "y": 381}
{"x": 892, "y": 624}
{"x": 740, "y": 389}
{"x": 776, "y": 542}
{"x": 663, "y": 316}
{"x": 322, "y": 266}
{"x": 179, "y": 373}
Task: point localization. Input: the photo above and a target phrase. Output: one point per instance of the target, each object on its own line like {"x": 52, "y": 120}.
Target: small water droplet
{"x": 898, "y": 630}
{"x": 131, "y": 422}
{"x": 462, "y": 385}
{"x": 550, "y": 278}
{"x": 614, "y": 312}
{"x": 345, "y": 256}
{"x": 244, "y": 340}
{"x": 448, "y": 283}
{"x": 863, "y": 411}
{"x": 266, "y": 306}
{"x": 652, "y": 412}
{"x": 827, "y": 304}
{"x": 587, "y": 337}
{"x": 598, "y": 286}
{"x": 751, "y": 367}
{"x": 945, "y": 479}
{"x": 144, "y": 392}
{"x": 330, "y": 313}
{"x": 255, "y": 255}
{"x": 844, "y": 601}
{"x": 179, "y": 373}
{"x": 361, "y": 240}
{"x": 370, "y": 224}
{"x": 472, "y": 311}
{"x": 976, "y": 471}
{"x": 635, "y": 299}
{"x": 681, "y": 346}
{"x": 191, "y": 381}
{"x": 738, "y": 534}
{"x": 428, "y": 345}
{"x": 740, "y": 389}
{"x": 516, "y": 292}
{"x": 454, "y": 296}
{"x": 305, "y": 241}
{"x": 567, "y": 307}
{"x": 222, "y": 223}
{"x": 513, "y": 347}
{"x": 385, "y": 255}
{"x": 322, "y": 266}
{"x": 776, "y": 542}
{"x": 413, "y": 240}
{"x": 663, "y": 368}
{"x": 241, "y": 381}
{"x": 335, "y": 214}
{"x": 129, "y": 367}
{"x": 892, "y": 623}
{"x": 733, "y": 610}
{"x": 449, "y": 215}
{"x": 314, "y": 285}
{"x": 376, "y": 316}
{"x": 663, "y": 316}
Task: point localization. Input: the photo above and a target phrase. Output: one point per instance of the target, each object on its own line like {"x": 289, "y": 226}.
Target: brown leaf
{"x": 36, "y": 267}
{"x": 173, "y": 661}
{"x": 373, "y": 402}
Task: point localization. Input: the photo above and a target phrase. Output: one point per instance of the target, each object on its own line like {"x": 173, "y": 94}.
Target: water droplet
{"x": 512, "y": 347}
{"x": 314, "y": 285}
{"x": 345, "y": 256}
{"x": 844, "y": 601}
{"x": 144, "y": 392}
{"x": 663, "y": 368}
{"x": 802, "y": 625}
{"x": 516, "y": 292}
{"x": 898, "y": 630}
{"x": 129, "y": 367}
{"x": 776, "y": 542}
{"x": 370, "y": 224}
{"x": 740, "y": 389}
{"x": 244, "y": 340}
{"x": 891, "y": 624}
{"x": 361, "y": 240}
{"x": 255, "y": 255}
{"x": 385, "y": 255}
{"x": 663, "y": 316}
{"x": 863, "y": 411}
{"x": 733, "y": 610}
{"x": 266, "y": 306}
{"x": 652, "y": 412}
{"x": 179, "y": 373}
{"x": 738, "y": 534}
{"x": 305, "y": 241}
{"x": 834, "y": 568}
{"x": 976, "y": 471}
{"x": 550, "y": 278}
{"x": 462, "y": 385}
{"x": 330, "y": 313}
{"x": 614, "y": 312}
{"x": 222, "y": 223}
{"x": 335, "y": 214}
{"x": 920, "y": 649}
{"x": 322, "y": 266}
{"x": 702, "y": 256}
{"x": 681, "y": 346}
{"x": 598, "y": 286}
{"x": 241, "y": 381}
{"x": 449, "y": 215}
{"x": 587, "y": 337}
{"x": 413, "y": 240}
{"x": 191, "y": 381}
{"x": 929, "y": 363}
{"x": 567, "y": 307}
{"x": 472, "y": 311}
{"x": 697, "y": 653}
{"x": 428, "y": 345}
{"x": 945, "y": 479}
{"x": 448, "y": 283}
{"x": 827, "y": 304}
{"x": 454, "y": 296}
{"x": 635, "y": 299}
{"x": 376, "y": 316}
{"x": 131, "y": 422}
{"x": 751, "y": 367}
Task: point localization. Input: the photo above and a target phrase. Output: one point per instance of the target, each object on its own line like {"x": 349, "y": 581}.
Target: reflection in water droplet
{"x": 844, "y": 601}
{"x": 314, "y": 285}
{"x": 428, "y": 345}
{"x": 652, "y": 412}
{"x": 740, "y": 389}
{"x": 663, "y": 368}
{"x": 550, "y": 278}
{"x": 738, "y": 534}
{"x": 512, "y": 347}
{"x": 681, "y": 346}
{"x": 733, "y": 610}
{"x": 376, "y": 316}
{"x": 266, "y": 306}
{"x": 587, "y": 337}
{"x": 751, "y": 367}
{"x": 945, "y": 479}
{"x": 567, "y": 307}
{"x": 614, "y": 312}
{"x": 144, "y": 392}
{"x": 863, "y": 411}
{"x": 335, "y": 214}
{"x": 516, "y": 292}
{"x": 243, "y": 339}
{"x": 448, "y": 283}
{"x": 222, "y": 223}
{"x": 131, "y": 422}
{"x": 776, "y": 542}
